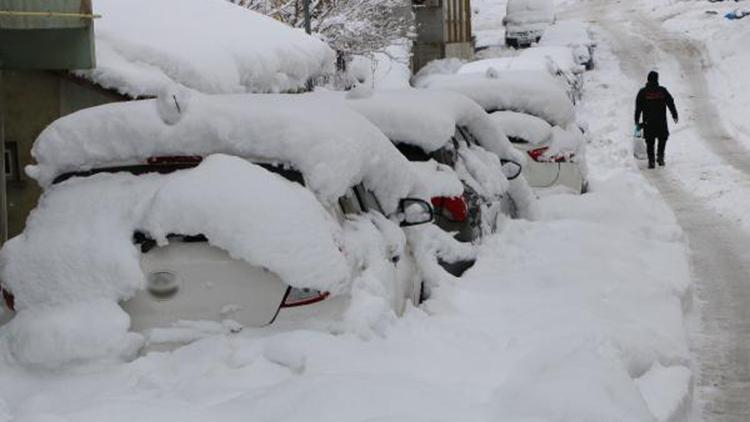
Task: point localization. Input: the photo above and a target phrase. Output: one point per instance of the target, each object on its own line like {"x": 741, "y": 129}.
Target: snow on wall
{"x": 534, "y": 93}
{"x": 211, "y": 46}
{"x": 332, "y": 146}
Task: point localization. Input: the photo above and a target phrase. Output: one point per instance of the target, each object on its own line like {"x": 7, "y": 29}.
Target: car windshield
{"x": 166, "y": 165}
{"x": 412, "y": 152}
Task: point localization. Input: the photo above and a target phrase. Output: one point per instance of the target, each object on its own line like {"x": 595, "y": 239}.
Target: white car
{"x": 237, "y": 208}
{"x": 450, "y": 130}
{"x": 553, "y": 151}
{"x": 575, "y": 35}
{"x": 526, "y": 20}
{"x": 538, "y": 95}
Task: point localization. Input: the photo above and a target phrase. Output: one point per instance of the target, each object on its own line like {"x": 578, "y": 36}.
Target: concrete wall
{"x": 443, "y": 30}
{"x": 33, "y": 100}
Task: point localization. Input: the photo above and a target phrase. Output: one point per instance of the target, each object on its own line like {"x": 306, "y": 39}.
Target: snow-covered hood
{"x": 332, "y": 146}
{"x": 211, "y": 46}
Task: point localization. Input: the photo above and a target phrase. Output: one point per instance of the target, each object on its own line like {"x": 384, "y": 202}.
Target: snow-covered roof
{"x": 535, "y": 93}
{"x": 428, "y": 119}
{"x": 507, "y": 63}
{"x": 331, "y": 145}
{"x": 567, "y": 33}
{"x": 562, "y": 56}
{"x": 523, "y": 126}
{"x": 522, "y": 12}
{"x": 211, "y": 46}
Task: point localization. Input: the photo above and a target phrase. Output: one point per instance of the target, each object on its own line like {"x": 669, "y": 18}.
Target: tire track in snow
{"x": 720, "y": 257}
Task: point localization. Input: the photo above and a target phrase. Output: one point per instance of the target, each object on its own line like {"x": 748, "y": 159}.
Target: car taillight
{"x": 538, "y": 156}
{"x": 300, "y": 297}
{"x": 453, "y": 208}
{"x": 10, "y": 301}
{"x": 175, "y": 159}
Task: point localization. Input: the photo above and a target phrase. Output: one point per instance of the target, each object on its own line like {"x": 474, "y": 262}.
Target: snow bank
{"x": 562, "y": 57}
{"x": 211, "y": 46}
{"x": 507, "y": 63}
{"x": 571, "y": 34}
{"x": 332, "y": 146}
{"x": 534, "y": 93}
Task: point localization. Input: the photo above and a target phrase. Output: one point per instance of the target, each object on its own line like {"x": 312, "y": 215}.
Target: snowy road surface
{"x": 701, "y": 147}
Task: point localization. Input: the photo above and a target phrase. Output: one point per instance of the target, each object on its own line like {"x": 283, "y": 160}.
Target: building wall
{"x": 33, "y": 100}
{"x": 443, "y": 30}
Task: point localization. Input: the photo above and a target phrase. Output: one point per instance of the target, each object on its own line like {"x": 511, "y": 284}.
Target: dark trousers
{"x": 650, "y": 143}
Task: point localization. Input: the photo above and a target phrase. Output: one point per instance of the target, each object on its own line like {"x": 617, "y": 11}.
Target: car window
{"x": 349, "y": 203}
{"x": 367, "y": 199}
{"x": 468, "y": 136}
{"x": 412, "y": 152}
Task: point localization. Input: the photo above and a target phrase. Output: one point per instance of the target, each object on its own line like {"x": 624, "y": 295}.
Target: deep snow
{"x": 575, "y": 317}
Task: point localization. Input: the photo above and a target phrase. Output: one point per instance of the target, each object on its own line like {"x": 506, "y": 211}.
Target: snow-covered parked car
{"x": 449, "y": 133}
{"x": 213, "y": 208}
{"x": 535, "y": 94}
{"x": 552, "y": 150}
{"x": 526, "y": 20}
{"x": 533, "y": 63}
{"x": 562, "y": 60}
{"x": 572, "y": 34}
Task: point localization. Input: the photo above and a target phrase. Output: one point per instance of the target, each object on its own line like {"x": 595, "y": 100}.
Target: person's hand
{"x": 676, "y": 120}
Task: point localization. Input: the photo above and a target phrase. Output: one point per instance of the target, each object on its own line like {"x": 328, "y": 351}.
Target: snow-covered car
{"x": 532, "y": 93}
{"x": 526, "y": 20}
{"x": 569, "y": 79}
{"x": 213, "y": 208}
{"x": 574, "y": 35}
{"x": 562, "y": 61}
{"x": 553, "y": 151}
{"x": 450, "y": 133}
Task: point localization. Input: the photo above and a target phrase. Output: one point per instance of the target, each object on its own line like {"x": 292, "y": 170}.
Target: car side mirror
{"x": 414, "y": 212}
{"x": 511, "y": 169}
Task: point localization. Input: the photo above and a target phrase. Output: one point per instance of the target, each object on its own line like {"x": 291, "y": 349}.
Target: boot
{"x": 651, "y": 164}
{"x": 660, "y": 161}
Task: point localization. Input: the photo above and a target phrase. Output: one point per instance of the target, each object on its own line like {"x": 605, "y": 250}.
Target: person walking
{"x": 652, "y": 102}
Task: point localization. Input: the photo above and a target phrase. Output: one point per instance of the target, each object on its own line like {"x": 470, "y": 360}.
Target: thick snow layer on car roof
{"x": 332, "y": 146}
{"x": 521, "y": 12}
{"x": 211, "y": 46}
{"x": 561, "y": 56}
{"x": 428, "y": 119}
{"x": 535, "y": 93}
{"x": 567, "y": 33}
{"x": 77, "y": 247}
{"x": 523, "y": 126}
{"x": 507, "y": 63}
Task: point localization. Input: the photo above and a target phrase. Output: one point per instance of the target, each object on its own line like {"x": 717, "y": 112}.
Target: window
{"x": 11, "y": 162}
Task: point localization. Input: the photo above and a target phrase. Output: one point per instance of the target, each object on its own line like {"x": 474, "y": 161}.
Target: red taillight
{"x": 175, "y": 159}
{"x": 538, "y": 156}
{"x": 300, "y": 297}
{"x": 453, "y": 208}
{"x": 10, "y": 301}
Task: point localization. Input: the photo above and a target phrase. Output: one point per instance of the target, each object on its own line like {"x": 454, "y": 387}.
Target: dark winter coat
{"x": 652, "y": 101}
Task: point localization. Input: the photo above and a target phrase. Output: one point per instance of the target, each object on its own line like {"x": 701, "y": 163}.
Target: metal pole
{"x": 3, "y": 200}
{"x": 308, "y": 24}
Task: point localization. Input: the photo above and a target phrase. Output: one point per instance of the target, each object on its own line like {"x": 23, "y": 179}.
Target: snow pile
{"x": 211, "y": 46}
{"x": 435, "y": 180}
{"x": 500, "y": 64}
{"x": 332, "y": 146}
{"x": 534, "y": 93}
{"x": 487, "y": 22}
{"x": 529, "y": 14}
